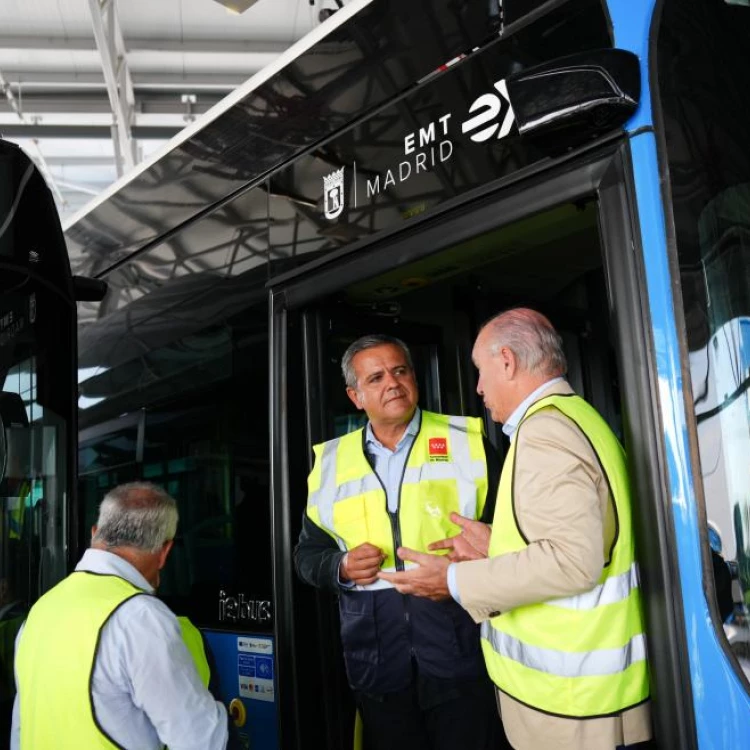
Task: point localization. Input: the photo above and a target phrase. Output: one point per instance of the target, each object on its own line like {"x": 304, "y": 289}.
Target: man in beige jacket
{"x": 564, "y": 510}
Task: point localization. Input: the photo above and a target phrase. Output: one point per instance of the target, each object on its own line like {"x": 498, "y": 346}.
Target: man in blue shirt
{"x": 415, "y": 666}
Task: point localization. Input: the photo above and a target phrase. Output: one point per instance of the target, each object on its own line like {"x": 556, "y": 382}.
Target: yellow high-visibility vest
{"x": 63, "y": 628}
{"x": 580, "y": 656}
{"x": 446, "y": 471}
{"x": 197, "y": 648}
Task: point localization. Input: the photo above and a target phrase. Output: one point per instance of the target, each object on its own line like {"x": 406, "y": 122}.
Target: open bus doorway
{"x": 551, "y": 261}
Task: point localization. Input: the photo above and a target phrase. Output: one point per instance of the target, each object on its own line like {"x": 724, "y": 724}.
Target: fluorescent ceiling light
{"x": 86, "y": 402}
{"x": 236, "y": 6}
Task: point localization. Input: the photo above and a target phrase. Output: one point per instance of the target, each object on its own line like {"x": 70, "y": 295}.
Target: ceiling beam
{"x": 31, "y": 130}
{"x": 71, "y": 80}
{"x": 39, "y": 105}
{"x": 173, "y": 121}
{"x": 77, "y": 160}
{"x": 23, "y": 44}
{"x": 109, "y": 42}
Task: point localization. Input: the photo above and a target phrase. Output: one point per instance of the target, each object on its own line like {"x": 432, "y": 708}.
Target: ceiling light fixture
{"x": 236, "y": 6}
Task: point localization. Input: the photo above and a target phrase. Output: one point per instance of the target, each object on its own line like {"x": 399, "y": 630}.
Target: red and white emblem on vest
{"x": 438, "y": 449}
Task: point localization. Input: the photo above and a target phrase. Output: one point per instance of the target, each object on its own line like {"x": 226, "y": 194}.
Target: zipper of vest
{"x": 396, "y": 527}
{"x": 397, "y": 541}
{"x": 396, "y": 533}
{"x": 395, "y": 524}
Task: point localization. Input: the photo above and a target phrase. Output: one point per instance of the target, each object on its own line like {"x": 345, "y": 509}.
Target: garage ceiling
{"x": 89, "y": 87}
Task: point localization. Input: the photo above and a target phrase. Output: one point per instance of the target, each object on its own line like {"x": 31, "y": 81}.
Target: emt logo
{"x": 492, "y": 113}
{"x": 438, "y": 449}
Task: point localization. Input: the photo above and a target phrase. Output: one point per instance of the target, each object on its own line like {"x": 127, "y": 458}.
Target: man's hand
{"x": 471, "y": 544}
{"x": 361, "y": 564}
{"x": 429, "y": 580}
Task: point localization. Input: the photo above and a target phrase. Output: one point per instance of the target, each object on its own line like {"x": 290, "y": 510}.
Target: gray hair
{"x": 369, "y": 342}
{"x": 138, "y": 514}
{"x": 531, "y": 337}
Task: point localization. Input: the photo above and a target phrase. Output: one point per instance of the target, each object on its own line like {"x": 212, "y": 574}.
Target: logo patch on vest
{"x": 438, "y": 449}
{"x": 433, "y": 510}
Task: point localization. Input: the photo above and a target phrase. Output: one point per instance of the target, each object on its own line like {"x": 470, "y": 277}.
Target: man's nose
{"x": 391, "y": 380}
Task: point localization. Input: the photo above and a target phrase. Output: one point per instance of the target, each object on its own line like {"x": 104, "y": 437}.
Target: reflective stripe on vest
{"x": 577, "y": 656}
{"x": 446, "y": 471}
{"x": 63, "y": 629}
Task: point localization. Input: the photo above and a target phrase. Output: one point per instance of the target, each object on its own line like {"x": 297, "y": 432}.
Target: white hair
{"x": 139, "y": 514}
{"x": 531, "y": 337}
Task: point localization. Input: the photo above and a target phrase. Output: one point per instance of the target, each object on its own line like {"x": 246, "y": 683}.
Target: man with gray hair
{"x": 412, "y": 477}
{"x": 100, "y": 661}
{"x": 554, "y": 582}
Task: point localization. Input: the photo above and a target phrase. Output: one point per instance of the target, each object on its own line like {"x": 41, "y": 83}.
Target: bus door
{"x": 569, "y": 258}
{"x": 328, "y": 330}
{"x": 439, "y": 328}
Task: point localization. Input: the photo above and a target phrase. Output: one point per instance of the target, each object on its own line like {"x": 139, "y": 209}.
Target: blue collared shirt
{"x": 145, "y": 688}
{"x": 509, "y": 428}
{"x": 389, "y": 464}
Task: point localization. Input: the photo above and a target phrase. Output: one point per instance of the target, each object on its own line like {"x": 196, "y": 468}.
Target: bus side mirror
{"x": 89, "y": 290}
{"x": 566, "y": 102}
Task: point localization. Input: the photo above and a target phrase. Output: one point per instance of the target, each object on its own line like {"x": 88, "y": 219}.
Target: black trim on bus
{"x": 336, "y": 709}
{"x": 284, "y": 629}
{"x": 643, "y": 428}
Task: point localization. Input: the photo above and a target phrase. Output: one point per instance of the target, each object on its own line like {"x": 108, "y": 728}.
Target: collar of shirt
{"x": 511, "y": 424}
{"x": 107, "y": 563}
{"x": 411, "y": 430}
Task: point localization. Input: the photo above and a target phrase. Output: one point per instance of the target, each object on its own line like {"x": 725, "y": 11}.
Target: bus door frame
{"x": 606, "y": 174}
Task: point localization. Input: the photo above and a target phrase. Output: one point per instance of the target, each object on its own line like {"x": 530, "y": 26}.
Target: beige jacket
{"x": 563, "y": 507}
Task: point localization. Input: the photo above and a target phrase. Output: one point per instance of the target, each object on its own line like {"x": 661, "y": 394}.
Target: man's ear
{"x": 508, "y": 362}
{"x": 354, "y": 397}
{"x": 164, "y": 553}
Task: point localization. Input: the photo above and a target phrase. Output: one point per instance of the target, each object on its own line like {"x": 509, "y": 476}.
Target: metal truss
{"x": 111, "y": 46}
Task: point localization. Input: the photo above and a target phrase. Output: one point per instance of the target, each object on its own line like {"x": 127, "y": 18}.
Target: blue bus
{"x": 412, "y": 168}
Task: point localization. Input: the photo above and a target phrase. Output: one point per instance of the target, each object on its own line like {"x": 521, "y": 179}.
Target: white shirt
{"x": 511, "y": 423}
{"x": 145, "y": 688}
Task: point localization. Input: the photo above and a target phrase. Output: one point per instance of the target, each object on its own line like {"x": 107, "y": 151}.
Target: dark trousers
{"x": 433, "y": 715}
